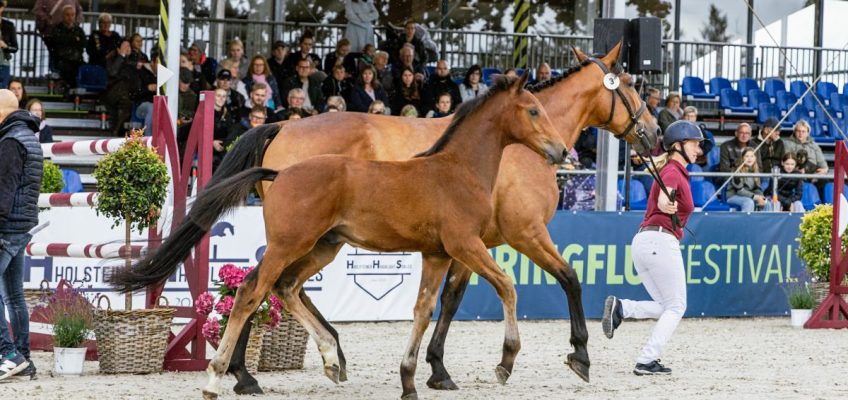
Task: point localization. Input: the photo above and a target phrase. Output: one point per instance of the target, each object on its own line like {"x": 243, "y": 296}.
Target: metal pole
{"x": 749, "y": 52}
{"x": 443, "y": 42}
{"x": 606, "y": 187}
{"x": 818, "y": 35}
{"x": 675, "y": 69}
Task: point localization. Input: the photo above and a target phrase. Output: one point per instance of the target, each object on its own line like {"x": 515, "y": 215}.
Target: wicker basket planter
{"x": 284, "y": 347}
{"x": 254, "y": 350}
{"x": 822, "y": 289}
{"x": 131, "y": 342}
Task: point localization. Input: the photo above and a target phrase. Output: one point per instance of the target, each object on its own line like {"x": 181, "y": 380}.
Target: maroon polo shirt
{"x": 674, "y": 175}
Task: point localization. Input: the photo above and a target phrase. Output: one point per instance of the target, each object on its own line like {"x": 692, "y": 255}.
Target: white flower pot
{"x": 800, "y": 317}
{"x": 68, "y": 361}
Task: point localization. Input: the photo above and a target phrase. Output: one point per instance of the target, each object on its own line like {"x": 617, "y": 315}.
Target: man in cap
{"x": 277, "y": 61}
{"x": 235, "y": 101}
{"x": 771, "y": 153}
{"x": 202, "y": 64}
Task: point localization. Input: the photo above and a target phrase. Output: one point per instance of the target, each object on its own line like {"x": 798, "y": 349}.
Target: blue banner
{"x": 735, "y": 266}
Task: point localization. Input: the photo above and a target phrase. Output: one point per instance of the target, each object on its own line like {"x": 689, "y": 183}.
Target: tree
{"x": 715, "y": 30}
{"x": 654, "y": 8}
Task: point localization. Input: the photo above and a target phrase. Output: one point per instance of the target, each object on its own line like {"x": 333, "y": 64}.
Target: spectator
{"x": 789, "y": 190}
{"x": 293, "y": 114}
{"x": 234, "y": 100}
{"x": 443, "y": 107}
{"x": 745, "y": 191}
{"x": 48, "y": 14}
{"x": 258, "y": 96}
{"x": 296, "y": 100}
{"x": 337, "y": 84}
{"x": 366, "y": 90}
{"x": 732, "y": 149}
{"x": 409, "y": 111}
{"x": 800, "y": 140}
{"x": 277, "y": 62}
{"x": 235, "y": 54}
{"x": 198, "y": 81}
{"x": 510, "y": 72}
{"x": 671, "y": 112}
{"x": 187, "y": 104}
{"x": 122, "y": 80}
{"x": 653, "y": 101}
{"x": 384, "y": 72}
{"x": 304, "y": 53}
{"x": 103, "y": 41}
{"x": 223, "y": 124}
{"x": 261, "y": 73}
{"x": 472, "y": 86}
{"x": 377, "y": 107}
{"x": 203, "y": 65}
{"x": 137, "y": 56}
{"x": 311, "y": 86}
{"x": 336, "y": 104}
{"x": 9, "y": 45}
{"x": 143, "y": 92}
{"x": 17, "y": 87}
{"x": 236, "y": 84}
{"x": 66, "y": 44}
{"x": 543, "y": 73}
{"x": 407, "y": 93}
{"x": 771, "y": 153}
{"x": 361, "y": 15}
{"x": 337, "y": 57}
{"x": 439, "y": 83}
{"x": 258, "y": 115}
{"x": 690, "y": 114}
{"x": 587, "y": 147}
{"x": 407, "y": 60}
{"x": 45, "y": 132}
{"x": 409, "y": 38}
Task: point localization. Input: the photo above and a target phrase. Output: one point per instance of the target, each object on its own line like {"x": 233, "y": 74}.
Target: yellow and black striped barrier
{"x": 520, "y": 22}
{"x": 163, "y": 37}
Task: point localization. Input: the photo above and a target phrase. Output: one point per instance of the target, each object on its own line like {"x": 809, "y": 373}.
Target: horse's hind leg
{"x": 456, "y": 282}
{"x": 307, "y": 302}
{"x": 246, "y": 384}
{"x": 433, "y": 271}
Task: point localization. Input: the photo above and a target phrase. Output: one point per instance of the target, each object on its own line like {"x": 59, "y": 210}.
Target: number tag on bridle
{"x": 611, "y": 81}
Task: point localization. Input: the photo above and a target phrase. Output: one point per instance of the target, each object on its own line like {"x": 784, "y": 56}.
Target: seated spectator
{"x": 261, "y": 73}
{"x": 138, "y": 56}
{"x": 407, "y": 92}
{"x": 337, "y": 84}
{"x": 258, "y": 115}
{"x": 587, "y": 147}
{"x": 745, "y": 191}
{"x": 296, "y": 100}
{"x": 235, "y": 83}
{"x": 443, "y": 107}
{"x": 9, "y": 45}
{"x": 314, "y": 99}
{"x": 789, "y": 190}
{"x": 439, "y": 83}
{"x": 411, "y": 40}
{"x": 384, "y": 71}
{"x": 235, "y": 54}
{"x": 407, "y": 54}
{"x": 293, "y": 114}
{"x": 366, "y": 90}
{"x": 143, "y": 92}
{"x": 17, "y": 87}
{"x": 258, "y": 94}
{"x": 303, "y": 53}
{"x": 337, "y": 57}
{"x": 472, "y": 86}
{"x": 123, "y": 79}
{"x": 102, "y": 41}
{"x": 671, "y": 112}
{"x": 800, "y": 140}
{"x": 336, "y": 104}
{"x": 187, "y": 106}
{"x": 731, "y": 150}
{"x": 377, "y": 107}
{"x": 234, "y": 101}
{"x": 652, "y": 101}
{"x": 198, "y": 80}
{"x": 277, "y": 61}
{"x": 66, "y": 44}
{"x": 510, "y": 72}
{"x": 224, "y": 125}
{"x": 771, "y": 152}
{"x": 409, "y": 111}
{"x": 690, "y": 113}
{"x": 204, "y": 65}
{"x": 45, "y": 132}
{"x": 543, "y": 73}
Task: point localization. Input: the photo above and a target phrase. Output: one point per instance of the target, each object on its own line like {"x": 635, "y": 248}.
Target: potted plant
{"x": 814, "y": 247}
{"x": 801, "y": 302}
{"x": 72, "y": 324}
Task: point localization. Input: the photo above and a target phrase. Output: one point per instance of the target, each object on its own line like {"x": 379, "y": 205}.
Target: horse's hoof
{"x": 333, "y": 372}
{"x": 207, "y": 395}
{"x": 343, "y": 375}
{"x": 441, "y": 383}
{"x": 409, "y": 396}
{"x": 502, "y": 374}
{"x": 251, "y": 388}
{"x": 581, "y": 368}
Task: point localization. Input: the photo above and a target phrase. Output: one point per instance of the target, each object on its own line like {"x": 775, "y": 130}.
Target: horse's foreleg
{"x": 434, "y": 268}
{"x": 456, "y": 282}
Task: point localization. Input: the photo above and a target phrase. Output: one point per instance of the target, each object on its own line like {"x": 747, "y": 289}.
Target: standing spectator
{"x": 732, "y": 149}
{"x": 671, "y": 112}
{"x": 8, "y": 44}
{"x": 472, "y": 86}
{"x": 653, "y": 101}
{"x": 366, "y": 90}
{"x": 103, "y": 41}
{"x": 314, "y": 99}
{"x": 234, "y": 100}
{"x": 202, "y": 64}
{"x": 277, "y": 62}
{"x": 745, "y": 191}
{"x": 137, "y": 55}
{"x": 361, "y": 15}
{"x": 122, "y": 80}
{"x": 384, "y": 72}
{"x": 439, "y": 83}
{"x": 304, "y": 53}
{"x": 409, "y": 38}
{"x": 261, "y": 73}
{"x": 235, "y": 54}
{"x": 789, "y": 190}
{"x": 21, "y": 165}
{"x": 407, "y": 92}
{"x": 66, "y": 45}
{"x": 45, "y": 132}
{"x": 258, "y": 97}
{"x": 48, "y": 13}
{"x": 543, "y": 73}
{"x": 771, "y": 153}
{"x": 443, "y": 107}
{"x": 337, "y": 84}
{"x": 407, "y": 54}
{"x": 18, "y": 89}
{"x": 337, "y": 57}
{"x": 336, "y": 104}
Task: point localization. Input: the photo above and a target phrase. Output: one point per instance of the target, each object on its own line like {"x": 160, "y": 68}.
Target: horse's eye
{"x": 534, "y": 112}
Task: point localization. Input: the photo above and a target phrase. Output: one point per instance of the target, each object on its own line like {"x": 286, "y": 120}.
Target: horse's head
{"x": 616, "y": 103}
{"x": 528, "y": 123}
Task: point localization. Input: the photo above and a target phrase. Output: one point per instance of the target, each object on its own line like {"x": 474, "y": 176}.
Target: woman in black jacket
{"x": 366, "y": 90}
{"x": 789, "y": 190}
{"x": 407, "y": 91}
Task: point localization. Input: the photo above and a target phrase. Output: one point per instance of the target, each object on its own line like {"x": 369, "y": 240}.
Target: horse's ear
{"x": 522, "y": 81}
{"x": 579, "y": 54}
{"x": 612, "y": 57}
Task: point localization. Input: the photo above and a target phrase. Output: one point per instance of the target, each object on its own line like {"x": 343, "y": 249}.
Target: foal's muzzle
{"x": 555, "y": 153}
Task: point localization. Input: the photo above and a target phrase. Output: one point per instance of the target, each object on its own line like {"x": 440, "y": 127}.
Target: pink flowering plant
{"x": 269, "y": 314}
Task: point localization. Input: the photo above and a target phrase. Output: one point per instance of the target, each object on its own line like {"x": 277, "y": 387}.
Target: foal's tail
{"x": 215, "y": 200}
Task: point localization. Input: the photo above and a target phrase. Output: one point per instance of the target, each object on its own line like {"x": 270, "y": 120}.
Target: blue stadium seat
{"x": 800, "y": 112}
{"x": 431, "y": 70}
{"x": 845, "y": 89}
{"x": 810, "y": 102}
{"x": 798, "y": 88}
{"x": 828, "y": 193}
{"x": 832, "y": 127}
{"x": 837, "y": 102}
{"x": 824, "y": 89}
{"x": 487, "y": 74}
{"x": 713, "y": 157}
{"x": 766, "y": 110}
{"x": 756, "y": 97}
{"x": 695, "y": 168}
{"x": 772, "y": 86}
{"x": 745, "y": 85}
{"x": 718, "y": 84}
{"x": 730, "y": 102}
{"x": 638, "y": 195}
{"x": 693, "y": 89}
{"x": 810, "y": 196}
{"x": 785, "y": 100}
{"x": 92, "y": 78}
{"x": 73, "y": 184}
{"x": 520, "y": 72}
{"x": 702, "y": 191}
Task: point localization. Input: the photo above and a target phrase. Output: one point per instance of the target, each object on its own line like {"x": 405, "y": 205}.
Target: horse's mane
{"x": 465, "y": 109}
{"x": 616, "y": 69}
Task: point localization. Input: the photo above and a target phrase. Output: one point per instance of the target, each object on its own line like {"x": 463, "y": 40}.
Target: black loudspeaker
{"x": 645, "y": 45}
{"x": 608, "y": 32}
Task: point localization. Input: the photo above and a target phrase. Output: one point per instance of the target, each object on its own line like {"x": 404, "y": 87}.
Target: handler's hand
{"x": 665, "y": 205}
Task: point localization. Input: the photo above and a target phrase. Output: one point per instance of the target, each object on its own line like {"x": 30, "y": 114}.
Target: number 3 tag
{"x": 611, "y": 81}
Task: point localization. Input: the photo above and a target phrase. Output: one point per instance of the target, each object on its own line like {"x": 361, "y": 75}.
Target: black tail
{"x": 215, "y": 200}
{"x": 246, "y": 153}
